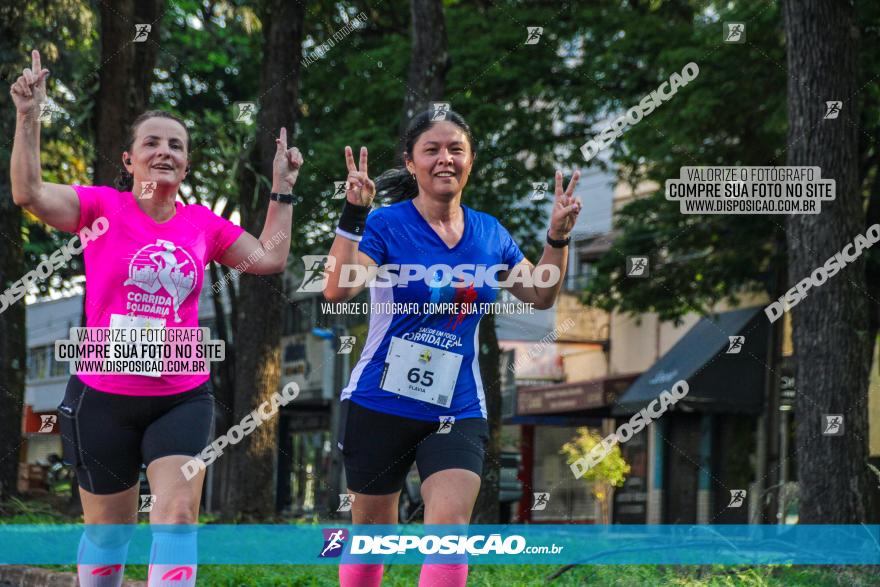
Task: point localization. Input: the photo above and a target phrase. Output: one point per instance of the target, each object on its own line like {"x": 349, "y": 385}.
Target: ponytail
{"x": 396, "y": 185}
{"x": 124, "y": 181}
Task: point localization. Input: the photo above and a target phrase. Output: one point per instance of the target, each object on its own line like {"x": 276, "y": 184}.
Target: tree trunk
{"x": 487, "y": 510}
{"x": 124, "y": 78}
{"x": 260, "y": 302}
{"x": 12, "y": 320}
{"x": 428, "y": 63}
{"x": 771, "y": 488}
{"x": 830, "y": 326}
{"x": 145, "y": 12}
{"x": 223, "y": 378}
{"x": 872, "y": 278}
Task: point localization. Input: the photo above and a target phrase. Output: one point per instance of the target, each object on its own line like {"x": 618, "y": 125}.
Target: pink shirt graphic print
{"x": 141, "y": 269}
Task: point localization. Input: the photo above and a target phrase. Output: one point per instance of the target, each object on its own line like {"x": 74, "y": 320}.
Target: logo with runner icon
{"x": 334, "y": 542}
{"x": 47, "y": 423}
{"x": 446, "y": 423}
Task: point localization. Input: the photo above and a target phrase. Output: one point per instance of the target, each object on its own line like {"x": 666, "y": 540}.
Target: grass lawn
{"x": 514, "y": 576}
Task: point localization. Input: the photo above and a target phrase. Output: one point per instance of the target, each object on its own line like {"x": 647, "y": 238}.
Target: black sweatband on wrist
{"x": 558, "y": 244}
{"x": 283, "y": 198}
{"x": 354, "y": 218}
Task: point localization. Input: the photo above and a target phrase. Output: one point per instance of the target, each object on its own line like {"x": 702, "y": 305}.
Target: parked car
{"x": 510, "y": 491}
{"x": 510, "y": 488}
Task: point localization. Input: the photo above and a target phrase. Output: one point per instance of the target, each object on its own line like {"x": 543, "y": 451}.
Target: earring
{"x": 413, "y": 176}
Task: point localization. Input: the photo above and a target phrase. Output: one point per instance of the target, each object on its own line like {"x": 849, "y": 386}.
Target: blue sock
{"x": 173, "y": 557}
{"x": 102, "y": 554}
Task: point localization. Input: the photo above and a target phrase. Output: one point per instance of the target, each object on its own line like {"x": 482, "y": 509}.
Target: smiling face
{"x": 441, "y": 160}
{"x": 158, "y": 153}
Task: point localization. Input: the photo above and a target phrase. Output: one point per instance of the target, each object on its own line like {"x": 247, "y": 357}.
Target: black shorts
{"x": 380, "y": 448}
{"x": 107, "y": 436}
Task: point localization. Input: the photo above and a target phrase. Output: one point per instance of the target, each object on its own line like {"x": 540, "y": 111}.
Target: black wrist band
{"x": 354, "y": 218}
{"x": 283, "y": 198}
{"x": 557, "y": 244}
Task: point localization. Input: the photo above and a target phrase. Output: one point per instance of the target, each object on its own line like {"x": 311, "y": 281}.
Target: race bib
{"x": 126, "y": 321}
{"x": 420, "y": 372}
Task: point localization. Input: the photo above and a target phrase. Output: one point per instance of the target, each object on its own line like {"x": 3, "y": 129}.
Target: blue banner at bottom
{"x": 301, "y": 544}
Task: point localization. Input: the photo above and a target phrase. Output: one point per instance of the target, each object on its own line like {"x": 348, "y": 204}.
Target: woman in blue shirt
{"x": 416, "y": 393}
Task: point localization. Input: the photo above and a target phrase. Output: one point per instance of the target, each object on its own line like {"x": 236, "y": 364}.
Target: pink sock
{"x": 360, "y": 575}
{"x": 434, "y": 575}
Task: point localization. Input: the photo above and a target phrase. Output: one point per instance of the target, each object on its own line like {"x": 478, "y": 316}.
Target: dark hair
{"x": 125, "y": 181}
{"x": 398, "y": 184}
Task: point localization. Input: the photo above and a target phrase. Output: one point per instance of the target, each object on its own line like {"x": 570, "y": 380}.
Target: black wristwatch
{"x": 558, "y": 244}
{"x": 283, "y": 198}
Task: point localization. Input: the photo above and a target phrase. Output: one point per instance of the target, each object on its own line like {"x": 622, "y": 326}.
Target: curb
{"x": 20, "y": 576}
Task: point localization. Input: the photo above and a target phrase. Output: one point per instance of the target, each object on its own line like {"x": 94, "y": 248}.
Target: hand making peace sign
{"x": 565, "y": 208}
{"x": 285, "y": 166}
{"x": 359, "y": 188}
{"x": 29, "y": 90}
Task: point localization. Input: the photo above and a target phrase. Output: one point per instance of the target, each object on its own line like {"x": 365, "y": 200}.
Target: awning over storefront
{"x": 719, "y": 381}
{"x": 578, "y": 399}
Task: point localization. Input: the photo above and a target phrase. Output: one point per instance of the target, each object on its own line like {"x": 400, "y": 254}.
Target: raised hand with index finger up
{"x": 29, "y": 90}
{"x": 360, "y": 189}
{"x": 285, "y": 166}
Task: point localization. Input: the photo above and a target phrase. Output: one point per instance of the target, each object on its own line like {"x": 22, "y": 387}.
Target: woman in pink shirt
{"x": 144, "y": 260}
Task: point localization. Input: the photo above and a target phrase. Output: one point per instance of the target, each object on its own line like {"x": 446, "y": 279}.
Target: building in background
{"x": 45, "y": 382}
{"x": 556, "y": 362}
{"x": 683, "y": 466}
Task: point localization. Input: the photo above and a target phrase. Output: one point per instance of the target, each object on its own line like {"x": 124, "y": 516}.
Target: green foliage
{"x": 65, "y": 34}
{"x": 611, "y": 470}
{"x": 721, "y": 118}
{"x": 18, "y": 511}
{"x": 522, "y": 102}
{"x": 351, "y": 96}
{"x": 209, "y": 60}
{"x": 530, "y": 106}
{"x": 733, "y": 113}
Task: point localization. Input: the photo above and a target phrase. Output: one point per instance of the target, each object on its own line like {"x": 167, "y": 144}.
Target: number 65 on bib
{"x": 420, "y": 372}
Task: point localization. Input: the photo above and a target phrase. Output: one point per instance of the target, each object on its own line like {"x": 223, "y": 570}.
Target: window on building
{"x": 38, "y": 363}
{"x": 584, "y": 274}
{"x": 57, "y": 368}
{"x": 570, "y": 499}
{"x": 587, "y": 269}
{"x": 41, "y": 364}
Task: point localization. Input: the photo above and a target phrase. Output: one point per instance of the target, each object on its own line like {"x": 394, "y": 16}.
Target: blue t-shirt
{"x": 398, "y": 234}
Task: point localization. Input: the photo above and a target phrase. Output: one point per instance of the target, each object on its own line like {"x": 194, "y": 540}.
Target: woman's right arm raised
{"x": 56, "y": 205}
{"x": 359, "y": 193}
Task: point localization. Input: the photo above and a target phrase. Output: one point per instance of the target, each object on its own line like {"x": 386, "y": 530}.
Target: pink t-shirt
{"x": 139, "y": 267}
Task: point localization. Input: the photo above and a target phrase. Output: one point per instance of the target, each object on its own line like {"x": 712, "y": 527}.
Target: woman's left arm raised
{"x": 268, "y": 253}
